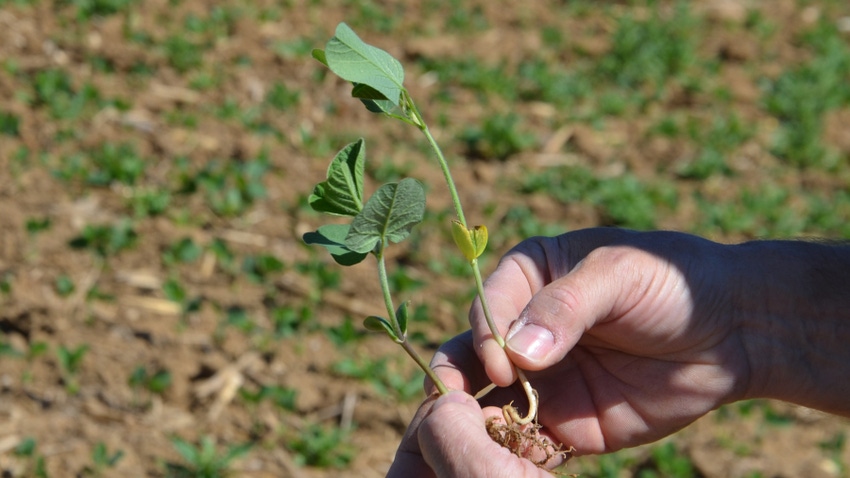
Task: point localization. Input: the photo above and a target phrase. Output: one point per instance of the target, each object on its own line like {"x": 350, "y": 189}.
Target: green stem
{"x": 400, "y": 334}
{"x": 479, "y": 283}
{"x": 441, "y": 387}
{"x": 444, "y": 165}
{"x": 385, "y": 288}
{"x": 476, "y": 271}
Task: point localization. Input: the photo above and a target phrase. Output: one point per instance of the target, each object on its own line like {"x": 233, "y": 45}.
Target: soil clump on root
{"x": 526, "y": 442}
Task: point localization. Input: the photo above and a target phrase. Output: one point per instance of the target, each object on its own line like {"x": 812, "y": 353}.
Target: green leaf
{"x": 186, "y": 450}
{"x": 234, "y": 452}
{"x": 379, "y": 106}
{"x": 389, "y": 214}
{"x": 471, "y": 242}
{"x": 355, "y": 61}
{"x": 402, "y": 315}
{"x": 319, "y": 55}
{"x": 379, "y": 324}
{"x": 373, "y": 99}
{"x": 342, "y": 192}
{"x": 332, "y": 238}
{"x": 366, "y": 92}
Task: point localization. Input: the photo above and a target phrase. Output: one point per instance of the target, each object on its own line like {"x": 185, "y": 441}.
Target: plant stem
{"x": 530, "y": 393}
{"x": 444, "y": 165}
{"x": 401, "y": 334}
{"x": 385, "y": 288}
{"x": 479, "y": 283}
{"x": 441, "y": 387}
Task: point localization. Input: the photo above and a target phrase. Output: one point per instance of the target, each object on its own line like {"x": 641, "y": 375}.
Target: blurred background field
{"x": 160, "y": 316}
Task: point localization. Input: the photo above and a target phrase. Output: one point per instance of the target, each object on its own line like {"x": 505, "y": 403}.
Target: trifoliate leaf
{"x": 389, "y": 215}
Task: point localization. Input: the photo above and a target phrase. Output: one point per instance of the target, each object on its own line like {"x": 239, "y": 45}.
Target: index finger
{"x": 520, "y": 274}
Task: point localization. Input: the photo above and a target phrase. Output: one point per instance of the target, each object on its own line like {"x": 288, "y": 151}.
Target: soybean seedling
{"x": 390, "y": 214}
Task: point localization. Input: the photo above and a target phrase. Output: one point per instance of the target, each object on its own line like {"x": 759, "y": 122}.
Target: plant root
{"x": 525, "y": 441}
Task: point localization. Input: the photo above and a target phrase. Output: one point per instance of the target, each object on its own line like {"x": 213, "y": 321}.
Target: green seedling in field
{"x": 37, "y": 225}
{"x": 9, "y": 124}
{"x": 498, "y": 137}
{"x": 106, "y": 240}
{"x": 183, "y": 251}
{"x": 6, "y": 280}
{"x": 102, "y": 460}
{"x": 282, "y": 397}
{"x": 389, "y": 215}
{"x": 344, "y": 333}
{"x": 288, "y": 320}
{"x": 157, "y": 382}
{"x": 260, "y": 267}
{"x": 149, "y": 202}
{"x": 379, "y": 374}
{"x": 64, "y": 286}
{"x": 321, "y": 446}
{"x": 27, "y": 449}
{"x": 70, "y": 362}
{"x": 834, "y": 447}
{"x": 204, "y": 461}
{"x": 667, "y": 461}
{"x": 175, "y": 292}
{"x": 152, "y": 383}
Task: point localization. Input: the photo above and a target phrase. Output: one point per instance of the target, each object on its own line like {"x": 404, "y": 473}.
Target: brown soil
{"x": 118, "y": 308}
{"x": 526, "y": 442}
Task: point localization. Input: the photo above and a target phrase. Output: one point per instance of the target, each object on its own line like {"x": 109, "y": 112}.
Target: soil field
{"x": 161, "y": 316}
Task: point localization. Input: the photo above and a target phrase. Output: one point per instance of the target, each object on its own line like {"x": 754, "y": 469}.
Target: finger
{"x": 408, "y": 461}
{"x": 519, "y": 275}
{"x": 556, "y": 317}
{"x": 458, "y": 366}
{"x": 455, "y": 442}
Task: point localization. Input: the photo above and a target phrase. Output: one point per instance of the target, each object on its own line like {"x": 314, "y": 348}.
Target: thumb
{"x": 557, "y": 316}
{"x": 455, "y": 442}
{"x": 453, "y": 426}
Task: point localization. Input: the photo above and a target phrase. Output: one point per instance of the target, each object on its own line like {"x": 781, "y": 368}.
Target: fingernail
{"x": 531, "y": 341}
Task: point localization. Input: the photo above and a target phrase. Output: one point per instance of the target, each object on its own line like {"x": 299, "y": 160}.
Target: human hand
{"x": 649, "y": 329}
{"x": 447, "y": 437}
{"x": 648, "y": 321}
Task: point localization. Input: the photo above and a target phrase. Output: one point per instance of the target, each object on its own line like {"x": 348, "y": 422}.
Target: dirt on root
{"x": 190, "y": 98}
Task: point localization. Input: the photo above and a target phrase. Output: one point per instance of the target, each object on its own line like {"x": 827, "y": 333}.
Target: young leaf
{"x": 389, "y": 214}
{"x": 402, "y": 315}
{"x": 319, "y": 55}
{"x": 342, "y": 192}
{"x": 355, "y": 61}
{"x": 372, "y": 99}
{"x": 471, "y": 242}
{"x": 379, "y": 324}
{"x": 379, "y": 106}
{"x": 332, "y": 238}
{"x": 366, "y": 92}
